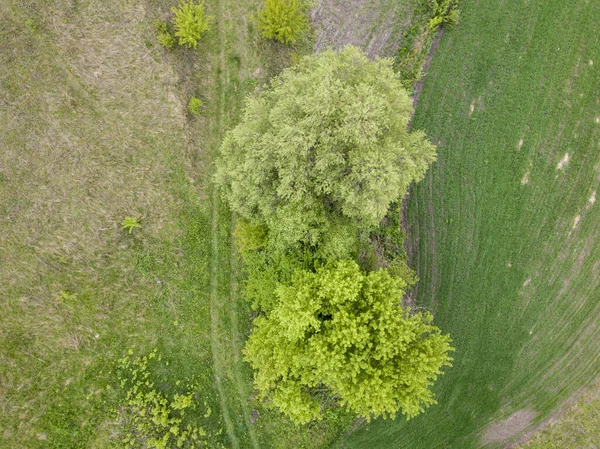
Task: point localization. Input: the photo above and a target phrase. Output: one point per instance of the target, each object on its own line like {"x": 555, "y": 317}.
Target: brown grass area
{"x": 374, "y": 26}
{"x": 88, "y": 116}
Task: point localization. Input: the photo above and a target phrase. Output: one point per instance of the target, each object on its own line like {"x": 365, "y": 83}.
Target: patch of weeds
{"x": 195, "y": 106}
{"x": 30, "y": 23}
{"x": 65, "y": 296}
{"x": 151, "y": 418}
{"x": 409, "y": 60}
{"x": 417, "y": 39}
{"x": 164, "y": 36}
{"x": 130, "y": 223}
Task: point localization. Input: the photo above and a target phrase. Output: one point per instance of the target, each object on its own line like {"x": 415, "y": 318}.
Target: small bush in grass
{"x": 444, "y": 12}
{"x": 130, "y": 223}
{"x": 191, "y": 22}
{"x": 195, "y": 106}
{"x": 163, "y": 35}
{"x": 283, "y": 20}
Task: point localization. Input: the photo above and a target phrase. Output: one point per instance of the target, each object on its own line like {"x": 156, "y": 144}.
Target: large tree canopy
{"x": 343, "y": 332}
{"x": 323, "y": 150}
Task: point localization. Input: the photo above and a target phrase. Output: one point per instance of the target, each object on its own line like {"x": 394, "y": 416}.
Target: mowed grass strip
{"x": 504, "y": 229}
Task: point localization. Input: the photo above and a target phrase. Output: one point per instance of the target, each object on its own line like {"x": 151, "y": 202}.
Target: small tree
{"x": 190, "y": 23}
{"x": 342, "y": 333}
{"x": 283, "y": 20}
{"x": 320, "y": 154}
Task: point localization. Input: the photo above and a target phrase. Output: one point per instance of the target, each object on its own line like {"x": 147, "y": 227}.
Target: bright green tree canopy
{"x": 342, "y": 331}
{"x": 324, "y": 149}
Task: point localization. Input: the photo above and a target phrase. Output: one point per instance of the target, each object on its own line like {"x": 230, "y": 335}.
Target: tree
{"x": 341, "y": 332}
{"x": 283, "y": 20}
{"x": 322, "y": 152}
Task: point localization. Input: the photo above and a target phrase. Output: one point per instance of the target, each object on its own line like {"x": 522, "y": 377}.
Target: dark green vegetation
{"x": 504, "y": 229}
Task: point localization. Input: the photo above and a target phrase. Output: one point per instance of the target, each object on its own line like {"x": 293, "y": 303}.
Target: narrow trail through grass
{"x": 226, "y": 343}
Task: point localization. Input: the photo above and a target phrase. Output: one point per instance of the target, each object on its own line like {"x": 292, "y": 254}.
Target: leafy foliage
{"x": 130, "y": 223}
{"x": 195, "y": 106}
{"x": 283, "y": 20}
{"x": 340, "y": 331}
{"x": 444, "y": 12}
{"x": 191, "y": 23}
{"x": 150, "y": 418}
{"x": 163, "y": 35}
{"x": 320, "y": 155}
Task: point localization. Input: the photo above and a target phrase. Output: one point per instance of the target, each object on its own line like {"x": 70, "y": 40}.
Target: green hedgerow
{"x": 444, "y": 12}
{"x": 191, "y": 22}
{"x": 283, "y": 20}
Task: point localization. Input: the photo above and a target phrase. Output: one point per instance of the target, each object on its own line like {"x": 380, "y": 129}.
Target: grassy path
{"x": 226, "y": 341}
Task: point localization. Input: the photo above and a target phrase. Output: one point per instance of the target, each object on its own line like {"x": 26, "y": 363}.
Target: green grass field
{"x": 504, "y": 229}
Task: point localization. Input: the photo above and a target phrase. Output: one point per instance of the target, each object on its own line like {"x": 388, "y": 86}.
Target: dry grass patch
{"x": 89, "y": 122}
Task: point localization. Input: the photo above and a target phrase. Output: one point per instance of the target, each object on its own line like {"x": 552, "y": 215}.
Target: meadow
{"x": 504, "y": 229}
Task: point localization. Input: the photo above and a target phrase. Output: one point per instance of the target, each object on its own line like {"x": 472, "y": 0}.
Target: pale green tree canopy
{"x": 324, "y": 149}
{"x": 343, "y": 331}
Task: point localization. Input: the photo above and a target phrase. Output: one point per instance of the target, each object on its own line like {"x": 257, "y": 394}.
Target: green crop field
{"x": 504, "y": 230}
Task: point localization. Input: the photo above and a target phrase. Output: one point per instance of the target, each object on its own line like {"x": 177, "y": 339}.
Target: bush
{"x": 163, "y": 35}
{"x": 191, "y": 23}
{"x": 283, "y": 20}
{"x": 195, "y": 106}
{"x": 444, "y": 12}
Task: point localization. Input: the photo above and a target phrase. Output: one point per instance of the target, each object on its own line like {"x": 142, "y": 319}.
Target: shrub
{"x": 195, "y": 106}
{"x": 283, "y": 20}
{"x": 130, "y": 223}
{"x": 191, "y": 23}
{"x": 163, "y": 35}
